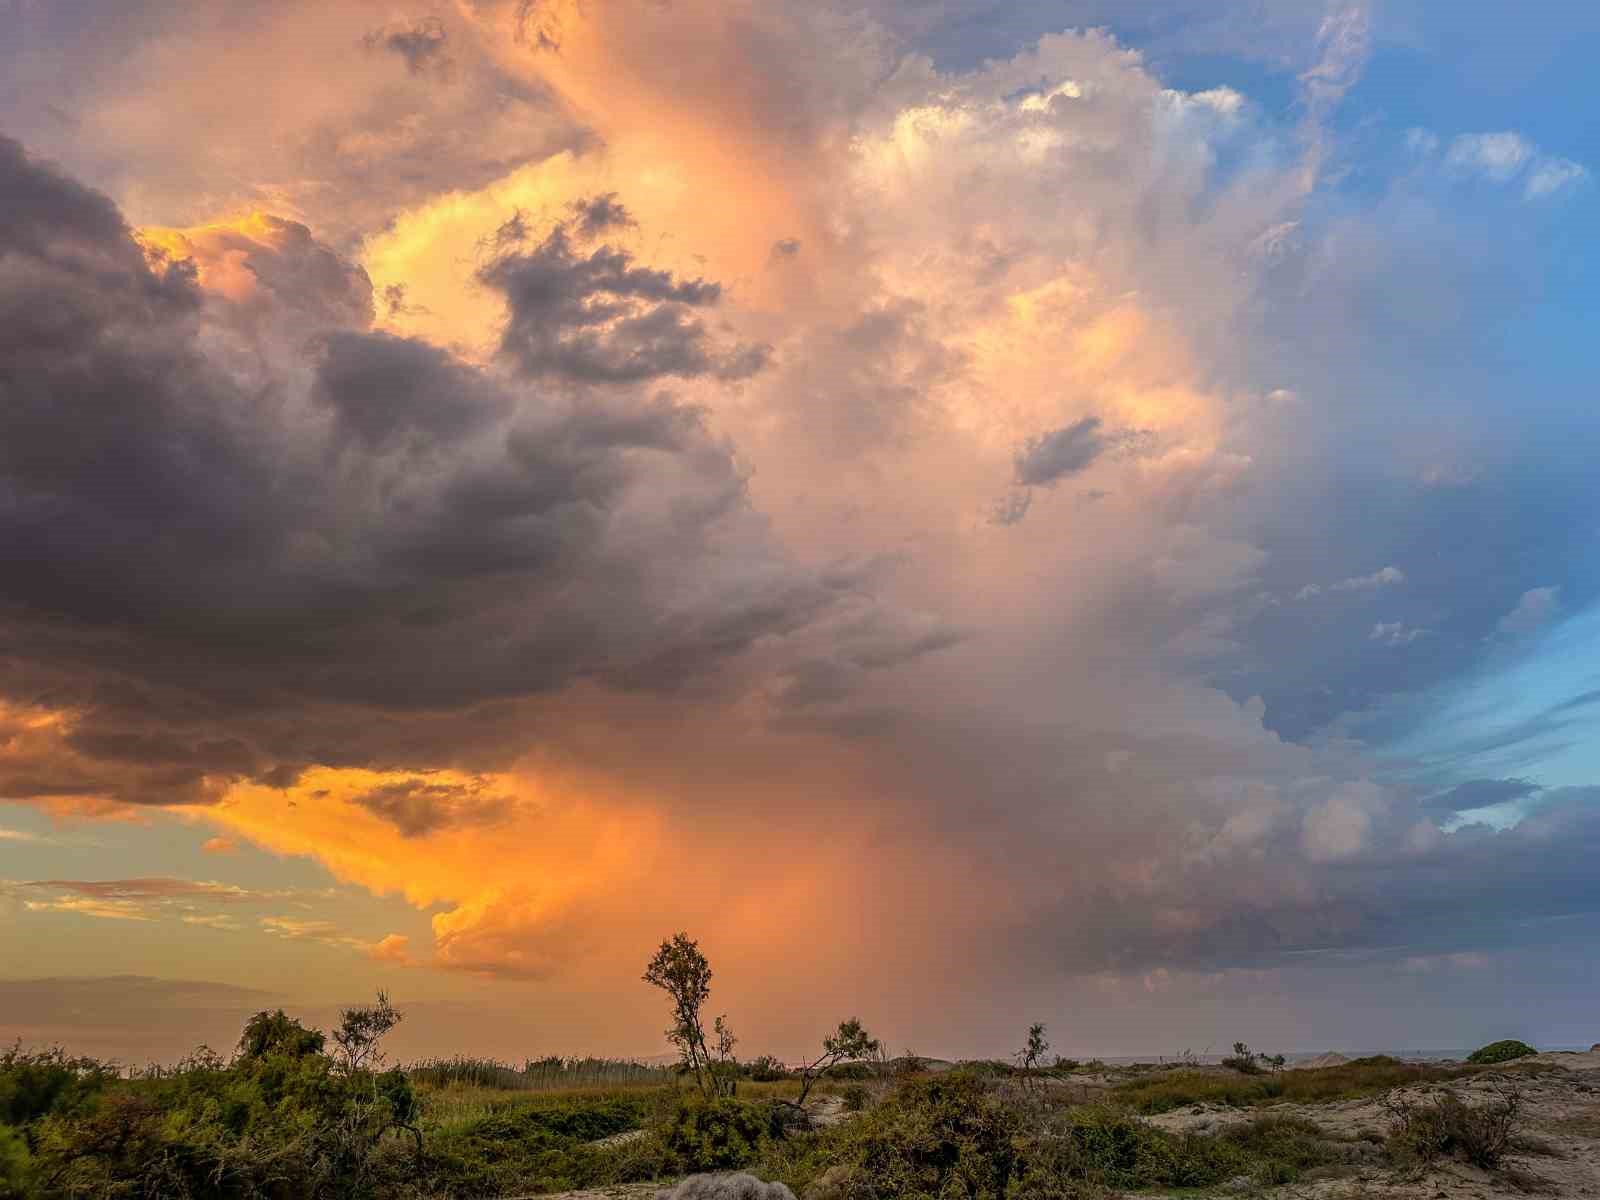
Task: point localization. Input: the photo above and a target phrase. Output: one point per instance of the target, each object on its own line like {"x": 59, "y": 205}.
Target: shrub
{"x": 36, "y": 1083}
{"x": 1499, "y": 1052}
{"x": 946, "y": 1136}
{"x": 15, "y": 1163}
{"x": 855, "y": 1098}
{"x": 1422, "y": 1132}
{"x": 767, "y": 1069}
{"x": 717, "y": 1135}
{"x": 1243, "y": 1059}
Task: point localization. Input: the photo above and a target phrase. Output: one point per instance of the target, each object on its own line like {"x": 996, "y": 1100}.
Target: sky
{"x": 979, "y": 512}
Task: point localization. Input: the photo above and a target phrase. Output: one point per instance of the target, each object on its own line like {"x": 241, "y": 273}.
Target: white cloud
{"x": 1395, "y": 633}
{"x": 1338, "y": 827}
{"x": 1497, "y": 155}
{"x": 1536, "y": 607}
{"x": 1381, "y": 578}
{"x": 1552, "y": 175}
{"x": 1503, "y": 157}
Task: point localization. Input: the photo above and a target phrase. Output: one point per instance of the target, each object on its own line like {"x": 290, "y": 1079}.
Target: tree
{"x": 680, "y": 970}
{"x": 849, "y": 1043}
{"x": 269, "y": 1033}
{"x": 360, "y": 1030}
{"x": 1031, "y": 1057}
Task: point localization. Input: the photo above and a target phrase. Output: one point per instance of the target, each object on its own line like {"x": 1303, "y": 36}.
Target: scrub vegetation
{"x": 294, "y": 1114}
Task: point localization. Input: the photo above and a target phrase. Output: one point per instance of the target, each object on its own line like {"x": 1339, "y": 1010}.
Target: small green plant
{"x": 855, "y": 1097}
{"x": 1499, "y": 1052}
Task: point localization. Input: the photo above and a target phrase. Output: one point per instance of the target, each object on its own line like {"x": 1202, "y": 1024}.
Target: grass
{"x": 537, "y": 1074}
{"x": 1320, "y": 1085}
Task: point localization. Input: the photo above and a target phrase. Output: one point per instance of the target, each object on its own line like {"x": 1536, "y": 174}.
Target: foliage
{"x": 273, "y": 1033}
{"x": 1422, "y": 1132}
{"x": 1243, "y": 1059}
{"x": 718, "y": 1134}
{"x": 538, "y": 1142}
{"x": 850, "y": 1043}
{"x": 855, "y": 1098}
{"x": 1347, "y": 1081}
{"x": 552, "y": 1073}
{"x": 38, "y": 1082}
{"x": 766, "y": 1069}
{"x": 1499, "y": 1052}
{"x": 281, "y": 1119}
{"x": 16, "y": 1165}
{"x": 681, "y": 970}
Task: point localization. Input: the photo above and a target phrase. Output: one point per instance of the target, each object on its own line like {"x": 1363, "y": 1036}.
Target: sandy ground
{"x": 1561, "y": 1118}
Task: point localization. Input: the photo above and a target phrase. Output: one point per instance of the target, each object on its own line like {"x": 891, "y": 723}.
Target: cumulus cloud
{"x": 671, "y": 537}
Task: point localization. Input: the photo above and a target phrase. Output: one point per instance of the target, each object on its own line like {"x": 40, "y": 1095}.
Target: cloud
{"x": 1497, "y": 155}
{"x": 1481, "y": 793}
{"x": 1502, "y": 158}
{"x": 392, "y": 948}
{"x": 421, "y": 44}
{"x": 418, "y": 807}
{"x": 1048, "y": 458}
{"x": 219, "y": 845}
{"x": 1395, "y": 633}
{"x": 1381, "y": 578}
{"x": 136, "y": 899}
{"x": 597, "y": 318}
{"x": 621, "y": 541}
{"x": 1535, "y": 609}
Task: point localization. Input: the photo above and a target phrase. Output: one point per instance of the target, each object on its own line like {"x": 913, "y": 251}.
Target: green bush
{"x": 16, "y": 1167}
{"x": 945, "y": 1136}
{"x": 36, "y": 1083}
{"x": 767, "y": 1069}
{"x": 717, "y": 1135}
{"x": 855, "y": 1098}
{"x": 1499, "y": 1052}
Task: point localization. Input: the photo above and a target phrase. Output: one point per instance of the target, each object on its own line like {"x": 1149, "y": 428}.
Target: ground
{"x": 1558, "y": 1153}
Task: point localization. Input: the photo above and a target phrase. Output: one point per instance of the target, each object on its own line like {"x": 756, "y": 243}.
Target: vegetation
{"x": 1499, "y": 1052}
{"x": 1422, "y": 1132}
{"x": 297, "y": 1114}
{"x": 845, "y": 1046}
{"x": 1347, "y": 1081}
{"x": 681, "y": 970}
{"x": 281, "y": 1118}
{"x": 539, "y": 1074}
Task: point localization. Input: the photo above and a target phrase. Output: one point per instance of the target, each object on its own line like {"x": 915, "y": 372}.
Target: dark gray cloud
{"x": 1481, "y": 793}
{"x": 1047, "y": 458}
{"x": 598, "y": 318}
{"x": 600, "y": 214}
{"x": 418, "y": 807}
{"x": 204, "y": 536}
{"x": 422, "y": 44}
